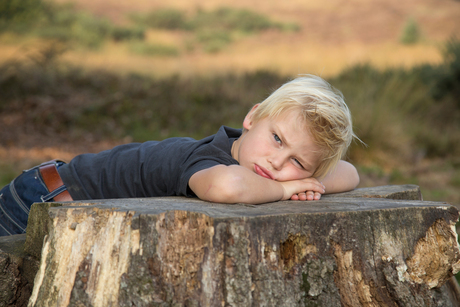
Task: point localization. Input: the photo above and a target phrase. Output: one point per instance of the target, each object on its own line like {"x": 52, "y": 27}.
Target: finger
{"x": 310, "y": 195}
{"x": 315, "y": 186}
{"x": 302, "y": 196}
{"x": 317, "y": 196}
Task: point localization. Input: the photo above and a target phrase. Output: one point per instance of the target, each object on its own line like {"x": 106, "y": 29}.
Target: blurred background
{"x": 86, "y": 75}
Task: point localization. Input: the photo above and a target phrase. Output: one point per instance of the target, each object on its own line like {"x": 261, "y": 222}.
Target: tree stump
{"x": 17, "y": 272}
{"x": 345, "y": 250}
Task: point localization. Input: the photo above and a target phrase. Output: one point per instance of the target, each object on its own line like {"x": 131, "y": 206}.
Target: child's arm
{"x": 343, "y": 178}
{"x": 237, "y": 184}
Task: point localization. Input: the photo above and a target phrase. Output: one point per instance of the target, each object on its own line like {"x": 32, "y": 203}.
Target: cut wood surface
{"x": 402, "y": 192}
{"x": 350, "y": 249}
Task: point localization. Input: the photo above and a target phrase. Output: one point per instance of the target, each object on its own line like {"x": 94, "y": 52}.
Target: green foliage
{"x": 447, "y": 77}
{"x": 61, "y": 23}
{"x": 82, "y": 28}
{"x": 65, "y": 24}
{"x": 18, "y": 14}
{"x": 213, "y": 30}
{"x": 232, "y": 20}
{"x": 125, "y": 33}
{"x": 225, "y": 18}
{"x": 166, "y": 18}
{"x": 380, "y": 103}
{"x": 411, "y": 32}
{"x": 214, "y": 40}
{"x": 443, "y": 89}
{"x": 394, "y": 110}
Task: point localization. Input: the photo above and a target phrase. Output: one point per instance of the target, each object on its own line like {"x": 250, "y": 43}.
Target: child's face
{"x": 279, "y": 148}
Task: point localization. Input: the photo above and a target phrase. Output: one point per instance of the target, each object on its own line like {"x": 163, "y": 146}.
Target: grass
{"x": 222, "y": 18}
{"x": 248, "y": 55}
{"x": 143, "y": 48}
{"x": 212, "y": 30}
{"x": 211, "y": 41}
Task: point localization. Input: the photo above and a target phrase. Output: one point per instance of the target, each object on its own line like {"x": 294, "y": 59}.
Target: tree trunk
{"x": 17, "y": 272}
{"x": 345, "y": 250}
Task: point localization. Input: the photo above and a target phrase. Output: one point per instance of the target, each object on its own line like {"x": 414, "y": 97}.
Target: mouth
{"x": 263, "y": 172}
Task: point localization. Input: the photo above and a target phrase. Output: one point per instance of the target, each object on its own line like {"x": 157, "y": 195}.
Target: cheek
{"x": 259, "y": 149}
{"x": 254, "y": 150}
{"x": 246, "y": 153}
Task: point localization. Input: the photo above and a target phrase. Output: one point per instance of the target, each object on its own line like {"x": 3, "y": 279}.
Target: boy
{"x": 290, "y": 148}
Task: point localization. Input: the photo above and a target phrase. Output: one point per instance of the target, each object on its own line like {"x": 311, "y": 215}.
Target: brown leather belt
{"x": 53, "y": 181}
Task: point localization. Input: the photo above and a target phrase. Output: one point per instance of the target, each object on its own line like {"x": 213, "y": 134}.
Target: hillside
{"x": 333, "y": 35}
{"x": 333, "y": 22}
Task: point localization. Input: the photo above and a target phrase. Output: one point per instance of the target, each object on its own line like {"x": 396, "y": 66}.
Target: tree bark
{"x": 17, "y": 272}
{"x": 350, "y": 249}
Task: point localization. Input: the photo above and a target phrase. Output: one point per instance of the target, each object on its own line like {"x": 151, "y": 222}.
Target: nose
{"x": 277, "y": 161}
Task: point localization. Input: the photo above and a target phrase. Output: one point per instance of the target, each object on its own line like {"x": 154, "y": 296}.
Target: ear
{"x": 247, "y": 123}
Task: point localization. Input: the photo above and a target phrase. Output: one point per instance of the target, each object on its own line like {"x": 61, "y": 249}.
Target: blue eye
{"x": 277, "y": 139}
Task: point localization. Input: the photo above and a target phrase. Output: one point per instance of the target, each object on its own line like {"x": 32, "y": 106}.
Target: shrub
{"x": 125, "y": 33}
{"x": 410, "y": 33}
{"x": 15, "y": 14}
{"x": 80, "y": 27}
{"x": 394, "y": 113}
{"x": 167, "y": 18}
{"x": 447, "y": 78}
{"x": 405, "y": 113}
{"x": 232, "y": 19}
{"x": 222, "y": 18}
{"x": 61, "y": 22}
{"x": 214, "y": 40}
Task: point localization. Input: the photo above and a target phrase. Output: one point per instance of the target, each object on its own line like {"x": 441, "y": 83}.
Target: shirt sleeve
{"x": 199, "y": 163}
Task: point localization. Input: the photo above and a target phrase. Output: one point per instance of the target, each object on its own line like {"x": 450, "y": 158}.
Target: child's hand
{"x": 309, "y": 195}
{"x": 304, "y": 189}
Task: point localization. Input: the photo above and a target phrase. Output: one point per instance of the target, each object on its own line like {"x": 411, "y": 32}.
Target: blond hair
{"x": 324, "y": 112}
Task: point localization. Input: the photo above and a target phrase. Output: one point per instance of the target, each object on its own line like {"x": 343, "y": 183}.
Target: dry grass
{"x": 248, "y": 55}
{"x": 334, "y": 35}
{"x": 333, "y": 21}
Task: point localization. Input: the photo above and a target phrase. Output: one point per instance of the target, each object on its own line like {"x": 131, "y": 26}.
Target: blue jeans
{"x": 17, "y": 197}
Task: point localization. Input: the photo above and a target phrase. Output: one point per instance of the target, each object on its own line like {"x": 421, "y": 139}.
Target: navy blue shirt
{"x": 153, "y": 168}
